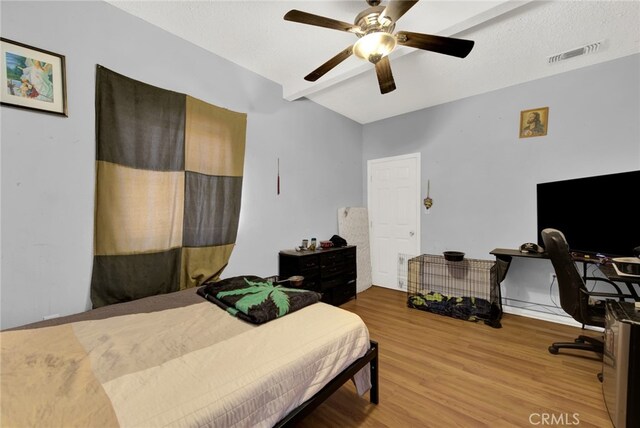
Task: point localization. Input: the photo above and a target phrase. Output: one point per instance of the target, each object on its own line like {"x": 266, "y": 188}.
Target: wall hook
{"x": 428, "y": 202}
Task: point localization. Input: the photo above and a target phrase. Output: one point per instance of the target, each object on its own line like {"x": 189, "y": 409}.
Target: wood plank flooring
{"x": 437, "y": 371}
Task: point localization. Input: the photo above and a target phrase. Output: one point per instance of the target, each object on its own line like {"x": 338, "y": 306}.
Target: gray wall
{"x": 47, "y": 183}
{"x": 483, "y": 177}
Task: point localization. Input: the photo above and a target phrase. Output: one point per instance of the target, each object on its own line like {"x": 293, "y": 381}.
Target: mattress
{"x": 174, "y": 360}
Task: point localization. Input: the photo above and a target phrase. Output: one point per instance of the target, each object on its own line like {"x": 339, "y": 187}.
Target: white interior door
{"x": 394, "y": 212}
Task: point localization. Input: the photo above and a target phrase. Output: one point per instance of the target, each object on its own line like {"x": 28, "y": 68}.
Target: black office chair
{"x": 574, "y": 296}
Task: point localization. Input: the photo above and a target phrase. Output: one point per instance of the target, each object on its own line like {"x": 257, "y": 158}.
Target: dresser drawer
{"x": 332, "y": 271}
{"x": 350, "y": 254}
{"x": 344, "y": 292}
{"x": 350, "y": 271}
{"x": 309, "y": 263}
{"x": 332, "y": 259}
{"x": 327, "y": 284}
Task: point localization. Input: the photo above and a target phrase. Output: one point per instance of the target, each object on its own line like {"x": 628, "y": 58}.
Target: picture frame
{"x": 534, "y": 122}
{"x": 32, "y": 78}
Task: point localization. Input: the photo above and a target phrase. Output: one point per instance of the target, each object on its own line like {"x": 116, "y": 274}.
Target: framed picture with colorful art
{"x": 33, "y": 78}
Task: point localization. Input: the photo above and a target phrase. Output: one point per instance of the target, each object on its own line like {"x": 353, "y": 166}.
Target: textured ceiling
{"x": 513, "y": 40}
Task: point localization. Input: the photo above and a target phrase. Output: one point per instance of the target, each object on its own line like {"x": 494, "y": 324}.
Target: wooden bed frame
{"x": 310, "y": 405}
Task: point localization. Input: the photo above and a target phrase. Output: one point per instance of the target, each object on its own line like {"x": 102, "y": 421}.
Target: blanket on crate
{"x": 256, "y": 300}
{"x": 464, "y": 308}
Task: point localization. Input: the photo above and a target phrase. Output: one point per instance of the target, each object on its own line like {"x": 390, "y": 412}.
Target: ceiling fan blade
{"x": 396, "y": 8}
{"x": 439, "y": 44}
{"x": 320, "y": 21}
{"x": 385, "y": 77}
{"x": 327, "y": 66}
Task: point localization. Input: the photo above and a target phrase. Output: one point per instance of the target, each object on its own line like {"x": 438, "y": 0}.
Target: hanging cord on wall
{"x": 553, "y": 281}
{"x": 278, "y": 185}
{"x": 594, "y": 269}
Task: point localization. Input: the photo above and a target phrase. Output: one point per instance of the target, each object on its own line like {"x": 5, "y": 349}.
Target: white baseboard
{"x": 559, "y": 319}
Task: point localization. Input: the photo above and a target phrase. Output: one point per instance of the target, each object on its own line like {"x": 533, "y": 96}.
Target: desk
{"x": 505, "y": 255}
{"x": 609, "y": 271}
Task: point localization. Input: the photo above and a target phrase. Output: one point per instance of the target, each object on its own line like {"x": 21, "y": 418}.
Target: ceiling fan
{"x": 374, "y": 28}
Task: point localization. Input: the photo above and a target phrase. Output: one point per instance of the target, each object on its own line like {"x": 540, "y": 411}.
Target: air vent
{"x": 584, "y": 50}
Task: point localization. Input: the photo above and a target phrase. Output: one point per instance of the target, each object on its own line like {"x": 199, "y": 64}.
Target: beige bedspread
{"x": 189, "y": 366}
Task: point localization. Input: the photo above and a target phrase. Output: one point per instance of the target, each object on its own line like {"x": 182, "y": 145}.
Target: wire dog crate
{"x": 466, "y": 289}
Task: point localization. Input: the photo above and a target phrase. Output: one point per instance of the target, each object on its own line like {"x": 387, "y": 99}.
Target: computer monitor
{"x": 596, "y": 214}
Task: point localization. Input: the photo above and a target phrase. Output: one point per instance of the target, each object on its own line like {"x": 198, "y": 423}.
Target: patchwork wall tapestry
{"x": 168, "y": 186}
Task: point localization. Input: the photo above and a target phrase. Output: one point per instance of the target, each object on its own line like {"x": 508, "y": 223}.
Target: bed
{"x": 177, "y": 359}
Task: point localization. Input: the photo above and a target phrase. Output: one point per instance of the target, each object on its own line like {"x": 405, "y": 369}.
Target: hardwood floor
{"x": 437, "y": 371}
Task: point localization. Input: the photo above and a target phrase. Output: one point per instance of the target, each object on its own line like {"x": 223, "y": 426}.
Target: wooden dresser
{"x": 331, "y": 272}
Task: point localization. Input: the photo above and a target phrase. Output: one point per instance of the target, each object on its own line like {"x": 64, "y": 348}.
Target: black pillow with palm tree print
{"x": 255, "y": 299}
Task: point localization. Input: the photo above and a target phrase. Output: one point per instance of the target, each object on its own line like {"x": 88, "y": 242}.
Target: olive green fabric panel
{"x": 211, "y": 210}
{"x": 203, "y": 264}
{"x": 138, "y": 125}
{"x": 214, "y": 139}
{"x": 124, "y": 278}
{"x": 137, "y": 210}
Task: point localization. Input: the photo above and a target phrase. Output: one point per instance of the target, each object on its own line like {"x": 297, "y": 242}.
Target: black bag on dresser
{"x": 338, "y": 241}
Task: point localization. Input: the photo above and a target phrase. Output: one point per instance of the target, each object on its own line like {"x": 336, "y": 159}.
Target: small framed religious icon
{"x": 534, "y": 122}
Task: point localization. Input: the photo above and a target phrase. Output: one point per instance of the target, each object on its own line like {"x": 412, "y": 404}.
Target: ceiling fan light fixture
{"x": 374, "y": 46}
{"x": 374, "y": 28}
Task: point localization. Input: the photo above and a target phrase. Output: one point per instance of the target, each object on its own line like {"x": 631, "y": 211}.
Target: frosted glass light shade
{"x": 374, "y": 46}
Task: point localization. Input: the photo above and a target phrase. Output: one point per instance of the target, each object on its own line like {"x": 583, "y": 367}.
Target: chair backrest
{"x": 570, "y": 281}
